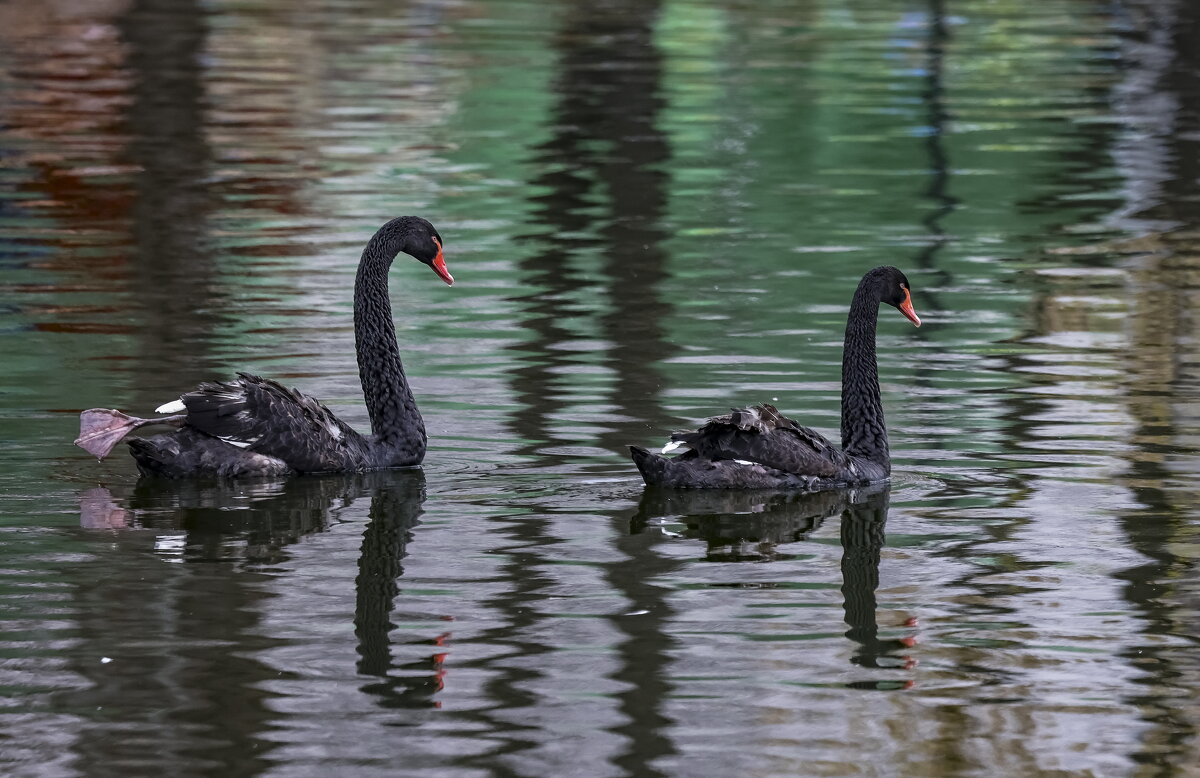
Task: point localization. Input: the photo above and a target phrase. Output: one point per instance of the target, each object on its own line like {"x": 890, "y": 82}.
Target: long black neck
{"x": 395, "y": 419}
{"x": 864, "y": 433}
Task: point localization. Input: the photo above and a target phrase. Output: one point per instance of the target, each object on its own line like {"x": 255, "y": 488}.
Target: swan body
{"x": 253, "y": 426}
{"x": 759, "y": 448}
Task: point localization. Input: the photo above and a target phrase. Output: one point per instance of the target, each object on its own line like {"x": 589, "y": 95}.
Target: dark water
{"x": 654, "y": 210}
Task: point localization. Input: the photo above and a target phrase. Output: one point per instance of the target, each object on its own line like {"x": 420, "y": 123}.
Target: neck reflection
{"x": 395, "y": 512}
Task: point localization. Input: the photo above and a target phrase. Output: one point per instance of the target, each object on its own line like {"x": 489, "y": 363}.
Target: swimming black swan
{"x": 256, "y": 427}
{"x": 756, "y": 447}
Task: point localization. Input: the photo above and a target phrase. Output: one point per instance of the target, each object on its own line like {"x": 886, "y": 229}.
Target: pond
{"x": 654, "y": 211}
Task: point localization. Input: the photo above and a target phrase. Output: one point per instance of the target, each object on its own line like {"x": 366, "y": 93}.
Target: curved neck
{"x": 395, "y": 419}
{"x": 864, "y": 433}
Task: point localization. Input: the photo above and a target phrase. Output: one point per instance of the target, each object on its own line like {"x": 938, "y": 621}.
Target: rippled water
{"x": 654, "y": 210}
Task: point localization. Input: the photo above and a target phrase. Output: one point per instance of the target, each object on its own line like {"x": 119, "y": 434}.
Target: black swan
{"x": 256, "y": 427}
{"x": 757, "y": 447}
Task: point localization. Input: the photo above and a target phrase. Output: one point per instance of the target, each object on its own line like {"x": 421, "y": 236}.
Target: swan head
{"x": 423, "y": 242}
{"x": 894, "y": 290}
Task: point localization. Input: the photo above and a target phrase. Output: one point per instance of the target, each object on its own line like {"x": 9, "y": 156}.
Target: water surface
{"x": 654, "y": 210}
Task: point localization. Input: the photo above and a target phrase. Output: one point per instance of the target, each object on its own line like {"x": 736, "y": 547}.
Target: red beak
{"x": 439, "y": 265}
{"x": 905, "y": 308}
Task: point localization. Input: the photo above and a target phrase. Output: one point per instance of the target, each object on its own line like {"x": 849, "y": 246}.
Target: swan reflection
{"x": 749, "y": 526}
{"x": 253, "y": 522}
{"x": 250, "y": 520}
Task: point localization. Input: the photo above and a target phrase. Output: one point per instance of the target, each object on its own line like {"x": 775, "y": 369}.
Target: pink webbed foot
{"x": 102, "y": 428}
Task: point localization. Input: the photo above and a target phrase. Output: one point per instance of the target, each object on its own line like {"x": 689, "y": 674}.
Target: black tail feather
{"x": 154, "y": 456}
{"x": 651, "y": 466}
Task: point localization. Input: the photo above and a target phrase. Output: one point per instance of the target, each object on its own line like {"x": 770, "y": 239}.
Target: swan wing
{"x": 265, "y": 417}
{"x": 762, "y": 435}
